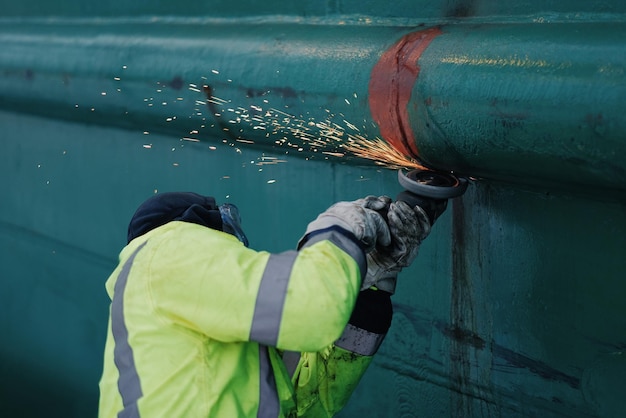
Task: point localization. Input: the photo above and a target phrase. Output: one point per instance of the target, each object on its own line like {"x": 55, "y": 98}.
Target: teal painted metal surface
{"x": 547, "y": 103}
{"x": 547, "y": 99}
{"x": 518, "y": 313}
{"x": 73, "y": 189}
{"x": 373, "y": 9}
{"x": 514, "y": 307}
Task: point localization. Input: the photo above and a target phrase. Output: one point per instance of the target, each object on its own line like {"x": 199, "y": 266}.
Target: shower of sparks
{"x": 381, "y": 153}
{"x": 298, "y": 134}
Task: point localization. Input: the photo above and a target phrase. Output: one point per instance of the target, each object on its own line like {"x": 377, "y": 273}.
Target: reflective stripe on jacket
{"x": 195, "y": 317}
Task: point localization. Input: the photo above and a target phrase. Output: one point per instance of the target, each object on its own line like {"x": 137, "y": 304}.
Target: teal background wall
{"x": 71, "y": 196}
{"x": 515, "y": 306}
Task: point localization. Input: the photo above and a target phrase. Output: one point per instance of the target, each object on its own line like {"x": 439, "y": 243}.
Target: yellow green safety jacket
{"x": 199, "y": 324}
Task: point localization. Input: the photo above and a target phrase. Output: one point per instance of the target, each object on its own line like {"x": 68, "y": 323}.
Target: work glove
{"x": 408, "y": 227}
{"x": 378, "y": 203}
{"x": 367, "y": 225}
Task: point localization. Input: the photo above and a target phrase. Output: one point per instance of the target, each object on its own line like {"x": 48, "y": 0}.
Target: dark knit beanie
{"x": 174, "y": 206}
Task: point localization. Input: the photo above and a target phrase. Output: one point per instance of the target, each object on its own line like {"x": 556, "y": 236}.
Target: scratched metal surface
{"x": 514, "y": 307}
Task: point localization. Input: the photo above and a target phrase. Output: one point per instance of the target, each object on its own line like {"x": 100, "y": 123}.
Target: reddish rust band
{"x": 391, "y": 83}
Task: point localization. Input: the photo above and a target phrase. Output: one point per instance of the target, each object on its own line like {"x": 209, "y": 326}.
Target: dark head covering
{"x": 174, "y": 206}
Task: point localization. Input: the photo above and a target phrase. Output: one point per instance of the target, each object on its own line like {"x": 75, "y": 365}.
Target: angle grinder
{"x": 430, "y": 190}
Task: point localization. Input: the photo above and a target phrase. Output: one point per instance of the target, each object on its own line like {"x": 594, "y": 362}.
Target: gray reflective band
{"x": 269, "y": 406}
{"x": 291, "y": 360}
{"x": 342, "y": 241}
{"x": 268, "y": 310}
{"x": 128, "y": 381}
{"x": 359, "y": 341}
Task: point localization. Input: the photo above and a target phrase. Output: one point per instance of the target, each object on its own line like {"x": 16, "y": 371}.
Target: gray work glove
{"x": 367, "y": 225}
{"x": 378, "y": 203}
{"x": 408, "y": 227}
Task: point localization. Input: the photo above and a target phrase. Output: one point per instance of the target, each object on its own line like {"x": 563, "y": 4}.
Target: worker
{"x": 203, "y": 326}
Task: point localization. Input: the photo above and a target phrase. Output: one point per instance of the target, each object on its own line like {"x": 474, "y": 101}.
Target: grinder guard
{"x": 430, "y": 190}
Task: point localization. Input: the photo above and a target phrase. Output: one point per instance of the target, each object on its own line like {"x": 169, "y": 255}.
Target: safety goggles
{"x": 231, "y": 222}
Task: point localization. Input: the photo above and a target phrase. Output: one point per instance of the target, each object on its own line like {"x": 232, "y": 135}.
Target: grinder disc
{"x": 432, "y": 184}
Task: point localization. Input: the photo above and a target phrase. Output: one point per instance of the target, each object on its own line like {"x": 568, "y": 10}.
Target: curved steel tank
{"x": 515, "y": 305}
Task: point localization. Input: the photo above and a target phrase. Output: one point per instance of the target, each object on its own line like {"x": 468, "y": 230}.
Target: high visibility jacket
{"x": 198, "y": 323}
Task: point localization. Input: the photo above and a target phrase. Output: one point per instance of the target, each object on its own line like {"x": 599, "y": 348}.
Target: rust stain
{"x": 208, "y": 92}
{"x": 464, "y": 337}
{"x": 283, "y": 92}
{"x": 391, "y": 83}
{"x": 461, "y": 328}
{"x": 176, "y": 83}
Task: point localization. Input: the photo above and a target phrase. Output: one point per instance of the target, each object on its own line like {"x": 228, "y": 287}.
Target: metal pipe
{"x": 209, "y": 80}
{"x": 537, "y": 102}
{"x": 526, "y": 102}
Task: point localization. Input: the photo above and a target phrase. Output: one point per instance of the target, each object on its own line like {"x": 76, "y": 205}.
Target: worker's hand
{"x": 367, "y": 225}
{"x": 408, "y": 227}
{"x": 379, "y": 204}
